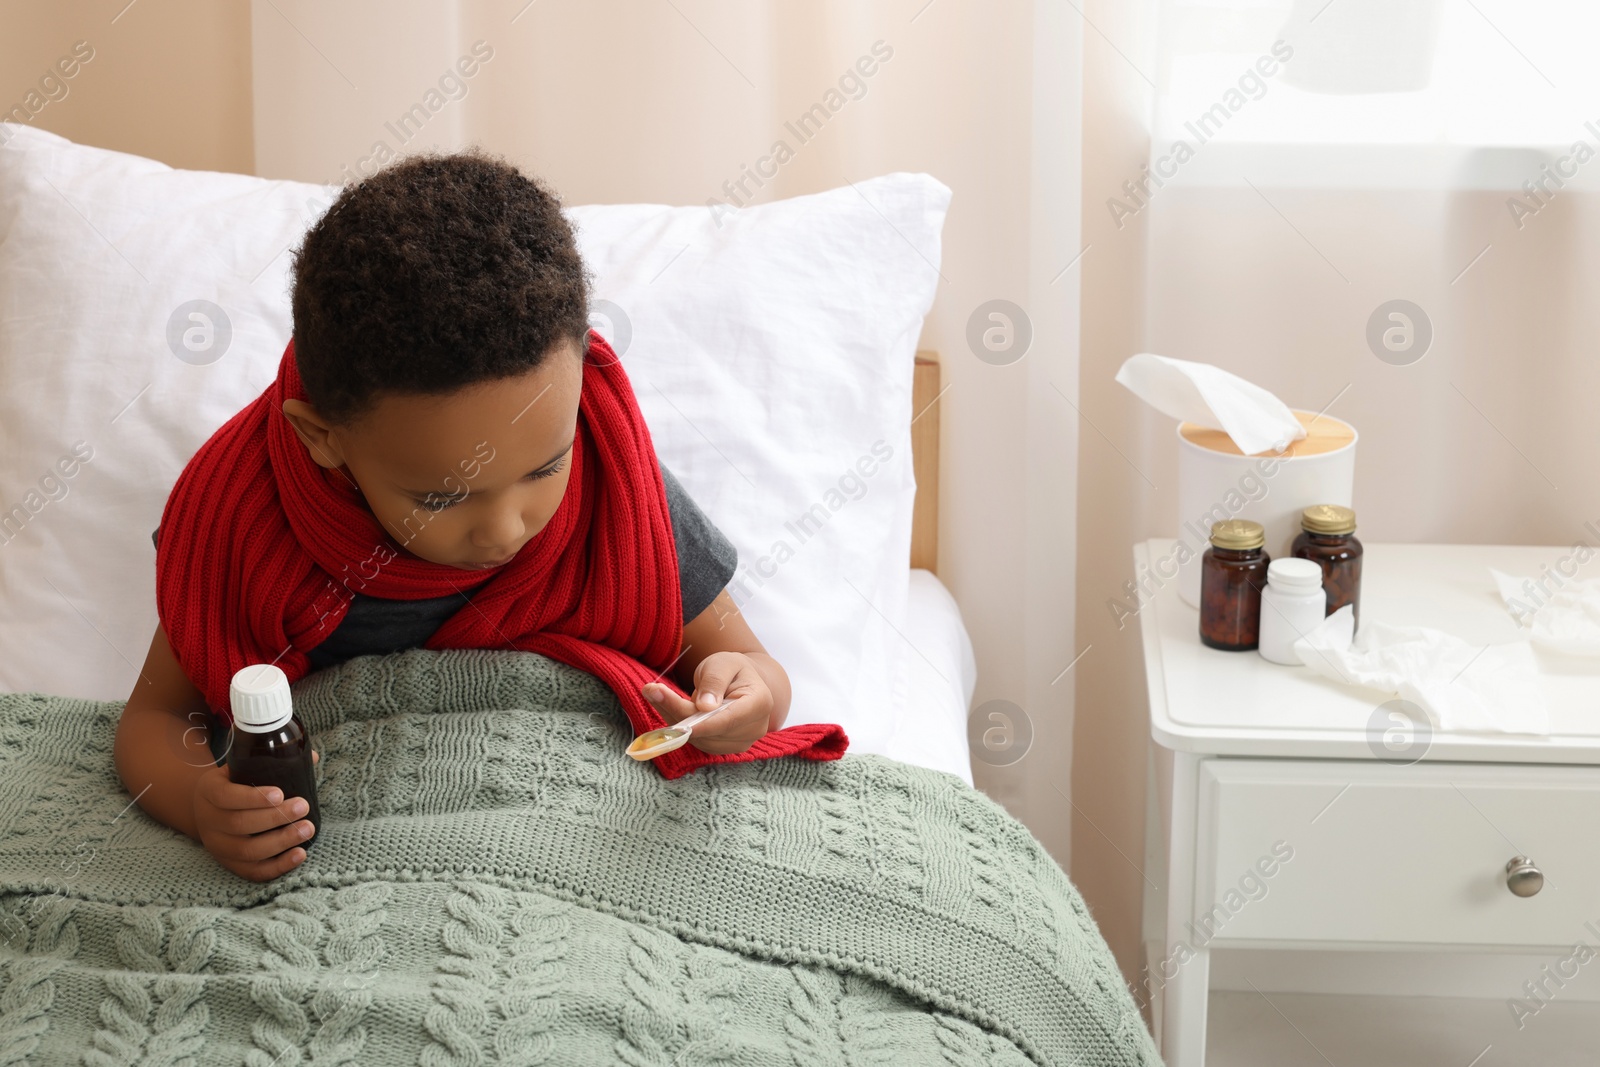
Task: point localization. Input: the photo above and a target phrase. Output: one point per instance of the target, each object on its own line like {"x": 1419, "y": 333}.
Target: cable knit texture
{"x": 497, "y": 883}
{"x": 261, "y": 550}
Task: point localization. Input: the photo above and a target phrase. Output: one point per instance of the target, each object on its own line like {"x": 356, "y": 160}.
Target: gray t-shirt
{"x": 375, "y": 626}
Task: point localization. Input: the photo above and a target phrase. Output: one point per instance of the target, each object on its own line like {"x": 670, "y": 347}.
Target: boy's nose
{"x": 501, "y": 534}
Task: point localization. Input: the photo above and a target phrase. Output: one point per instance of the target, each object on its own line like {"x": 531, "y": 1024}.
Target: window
{"x": 1431, "y": 92}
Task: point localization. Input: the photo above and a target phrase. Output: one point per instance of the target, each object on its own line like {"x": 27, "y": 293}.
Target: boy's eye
{"x": 442, "y": 501}
{"x": 547, "y": 472}
{"x": 439, "y": 501}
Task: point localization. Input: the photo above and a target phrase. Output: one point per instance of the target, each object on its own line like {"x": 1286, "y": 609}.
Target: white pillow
{"x": 99, "y": 252}
{"x": 770, "y": 354}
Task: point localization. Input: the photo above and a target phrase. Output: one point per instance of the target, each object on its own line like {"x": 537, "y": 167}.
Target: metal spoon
{"x": 653, "y": 743}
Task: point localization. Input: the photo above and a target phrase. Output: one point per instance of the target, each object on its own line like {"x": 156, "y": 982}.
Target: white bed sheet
{"x": 933, "y": 683}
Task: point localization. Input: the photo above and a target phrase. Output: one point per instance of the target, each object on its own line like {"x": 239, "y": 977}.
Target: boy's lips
{"x": 493, "y": 562}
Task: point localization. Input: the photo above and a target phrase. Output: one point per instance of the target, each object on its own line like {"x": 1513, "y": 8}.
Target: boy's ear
{"x": 314, "y": 432}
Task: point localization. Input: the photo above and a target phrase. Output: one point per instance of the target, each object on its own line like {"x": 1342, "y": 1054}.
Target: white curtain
{"x": 1320, "y": 160}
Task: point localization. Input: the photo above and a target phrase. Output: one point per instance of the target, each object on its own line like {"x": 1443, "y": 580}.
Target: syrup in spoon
{"x": 653, "y": 743}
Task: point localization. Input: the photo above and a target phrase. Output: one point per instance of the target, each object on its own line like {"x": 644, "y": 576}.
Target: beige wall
{"x": 616, "y": 101}
{"x": 169, "y": 79}
{"x": 1490, "y": 438}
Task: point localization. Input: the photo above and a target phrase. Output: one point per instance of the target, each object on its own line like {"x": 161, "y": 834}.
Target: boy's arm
{"x": 162, "y": 748}
{"x": 164, "y": 757}
{"x": 723, "y": 659}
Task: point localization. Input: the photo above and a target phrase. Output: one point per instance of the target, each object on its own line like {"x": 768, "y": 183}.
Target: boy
{"x": 450, "y": 459}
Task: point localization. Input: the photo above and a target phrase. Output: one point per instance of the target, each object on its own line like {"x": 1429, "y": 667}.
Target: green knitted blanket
{"x": 496, "y": 882}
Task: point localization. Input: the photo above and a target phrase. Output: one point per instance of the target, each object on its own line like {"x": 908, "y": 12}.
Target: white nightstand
{"x": 1277, "y": 826}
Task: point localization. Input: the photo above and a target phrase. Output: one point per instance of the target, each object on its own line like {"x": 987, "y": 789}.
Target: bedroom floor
{"x": 1380, "y": 1031}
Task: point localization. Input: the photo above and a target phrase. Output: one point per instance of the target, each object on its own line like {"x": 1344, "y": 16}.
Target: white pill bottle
{"x": 1292, "y": 605}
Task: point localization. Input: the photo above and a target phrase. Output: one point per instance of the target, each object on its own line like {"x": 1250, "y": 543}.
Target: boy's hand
{"x": 254, "y": 831}
{"x": 721, "y": 676}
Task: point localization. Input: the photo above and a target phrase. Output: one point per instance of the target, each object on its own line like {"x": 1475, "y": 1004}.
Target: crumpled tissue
{"x": 1567, "y": 620}
{"x": 1463, "y": 688}
{"x": 1210, "y": 396}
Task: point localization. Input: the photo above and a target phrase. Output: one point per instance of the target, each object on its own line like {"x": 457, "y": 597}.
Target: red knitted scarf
{"x": 261, "y": 550}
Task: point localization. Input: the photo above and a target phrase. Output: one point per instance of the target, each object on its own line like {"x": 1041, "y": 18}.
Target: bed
{"x": 774, "y": 912}
{"x": 175, "y": 286}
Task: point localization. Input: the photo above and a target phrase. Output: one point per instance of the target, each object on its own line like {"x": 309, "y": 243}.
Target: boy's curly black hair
{"x": 436, "y": 272}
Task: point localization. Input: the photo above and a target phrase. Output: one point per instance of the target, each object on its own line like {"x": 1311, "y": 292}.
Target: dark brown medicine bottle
{"x": 1232, "y": 574}
{"x": 1328, "y": 537}
{"x": 269, "y": 746}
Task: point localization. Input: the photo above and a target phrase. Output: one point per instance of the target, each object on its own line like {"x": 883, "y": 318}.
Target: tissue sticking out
{"x": 1253, "y": 420}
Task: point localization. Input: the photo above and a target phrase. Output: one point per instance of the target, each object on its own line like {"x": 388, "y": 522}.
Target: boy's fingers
{"x": 263, "y": 847}
{"x": 671, "y": 706}
{"x": 260, "y": 820}
{"x": 267, "y": 870}
{"x": 712, "y": 681}
{"x": 733, "y": 729}
{"x": 225, "y": 794}
{"x": 245, "y": 797}
{"x": 718, "y": 747}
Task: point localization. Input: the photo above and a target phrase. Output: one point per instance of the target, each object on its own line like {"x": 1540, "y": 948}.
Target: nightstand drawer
{"x": 1367, "y": 852}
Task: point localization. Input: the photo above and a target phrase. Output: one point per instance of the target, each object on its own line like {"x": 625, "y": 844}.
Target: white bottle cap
{"x": 1295, "y": 575}
{"x": 259, "y": 695}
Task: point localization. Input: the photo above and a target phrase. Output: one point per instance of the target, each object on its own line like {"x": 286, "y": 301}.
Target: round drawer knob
{"x": 1522, "y": 877}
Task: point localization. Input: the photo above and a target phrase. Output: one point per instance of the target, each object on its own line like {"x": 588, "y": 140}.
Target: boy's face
{"x": 465, "y": 478}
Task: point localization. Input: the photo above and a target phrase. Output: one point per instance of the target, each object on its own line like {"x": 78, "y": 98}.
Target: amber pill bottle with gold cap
{"x": 1328, "y": 536}
{"x": 270, "y": 746}
{"x": 1232, "y": 574}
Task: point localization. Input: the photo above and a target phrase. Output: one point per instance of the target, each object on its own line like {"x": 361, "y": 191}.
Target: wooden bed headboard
{"x": 925, "y": 394}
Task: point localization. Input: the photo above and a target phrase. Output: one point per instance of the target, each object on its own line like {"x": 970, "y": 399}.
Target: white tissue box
{"x": 1216, "y": 482}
